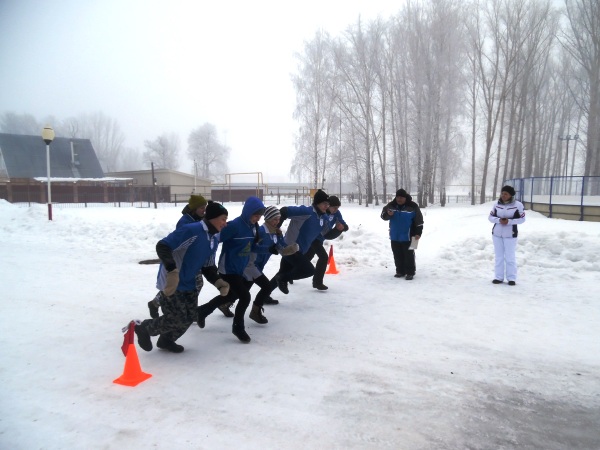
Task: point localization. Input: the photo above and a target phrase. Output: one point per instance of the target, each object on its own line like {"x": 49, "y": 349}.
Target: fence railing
{"x": 572, "y": 198}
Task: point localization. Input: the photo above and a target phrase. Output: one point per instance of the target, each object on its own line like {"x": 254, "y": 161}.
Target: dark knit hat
{"x": 272, "y": 212}
{"x": 196, "y": 201}
{"x": 402, "y": 193}
{"x": 320, "y": 197}
{"x": 509, "y": 189}
{"x": 334, "y": 201}
{"x": 214, "y": 210}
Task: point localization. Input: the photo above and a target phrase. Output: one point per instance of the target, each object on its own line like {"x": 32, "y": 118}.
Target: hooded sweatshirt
{"x": 238, "y": 238}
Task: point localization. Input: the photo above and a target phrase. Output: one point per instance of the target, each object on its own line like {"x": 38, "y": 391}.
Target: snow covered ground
{"x": 446, "y": 361}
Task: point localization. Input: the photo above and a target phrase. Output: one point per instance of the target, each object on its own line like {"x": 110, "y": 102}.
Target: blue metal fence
{"x": 568, "y": 197}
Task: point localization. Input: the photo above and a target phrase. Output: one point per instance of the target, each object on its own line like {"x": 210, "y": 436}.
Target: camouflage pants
{"x": 158, "y": 298}
{"x": 179, "y": 312}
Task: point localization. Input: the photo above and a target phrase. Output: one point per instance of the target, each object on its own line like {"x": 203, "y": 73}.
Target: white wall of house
{"x": 181, "y": 183}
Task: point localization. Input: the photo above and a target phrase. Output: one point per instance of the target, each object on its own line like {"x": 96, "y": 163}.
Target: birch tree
{"x": 582, "y": 41}
{"x": 210, "y": 154}
{"x": 163, "y": 151}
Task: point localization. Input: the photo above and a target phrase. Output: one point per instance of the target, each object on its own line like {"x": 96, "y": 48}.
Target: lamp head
{"x": 48, "y": 134}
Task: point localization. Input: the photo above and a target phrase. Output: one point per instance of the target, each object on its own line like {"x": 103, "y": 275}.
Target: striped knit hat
{"x": 271, "y": 212}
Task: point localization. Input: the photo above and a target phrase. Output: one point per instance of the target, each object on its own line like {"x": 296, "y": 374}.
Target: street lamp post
{"x": 195, "y": 174}
{"x": 48, "y": 137}
{"x": 340, "y": 145}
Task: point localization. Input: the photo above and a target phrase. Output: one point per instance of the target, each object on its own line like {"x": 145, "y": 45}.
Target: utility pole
{"x": 153, "y": 184}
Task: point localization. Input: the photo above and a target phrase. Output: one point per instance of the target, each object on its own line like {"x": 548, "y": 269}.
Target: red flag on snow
{"x": 128, "y": 338}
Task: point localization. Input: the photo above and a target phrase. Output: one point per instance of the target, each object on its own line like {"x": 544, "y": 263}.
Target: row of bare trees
{"x": 209, "y": 154}
{"x": 449, "y": 91}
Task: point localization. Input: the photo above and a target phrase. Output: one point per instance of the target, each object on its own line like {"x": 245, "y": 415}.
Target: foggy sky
{"x": 170, "y": 66}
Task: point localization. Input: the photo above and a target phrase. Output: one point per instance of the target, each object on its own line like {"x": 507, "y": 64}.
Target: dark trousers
{"x": 295, "y": 267}
{"x": 239, "y": 288}
{"x": 179, "y": 312}
{"x": 265, "y": 290}
{"x": 404, "y": 259}
{"x": 316, "y": 248}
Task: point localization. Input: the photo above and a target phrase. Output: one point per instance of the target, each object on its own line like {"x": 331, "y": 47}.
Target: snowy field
{"x": 446, "y": 361}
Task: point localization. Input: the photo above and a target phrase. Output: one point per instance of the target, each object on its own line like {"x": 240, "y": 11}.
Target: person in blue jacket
{"x": 183, "y": 253}
{"x": 192, "y": 212}
{"x": 270, "y": 242}
{"x": 306, "y": 223}
{"x": 405, "y": 222}
{"x": 238, "y": 240}
{"x": 332, "y": 229}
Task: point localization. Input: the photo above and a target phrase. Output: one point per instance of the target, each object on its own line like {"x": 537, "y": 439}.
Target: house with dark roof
{"x": 77, "y": 177}
{"x": 74, "y": 169}
{"x": 24, "y": 157}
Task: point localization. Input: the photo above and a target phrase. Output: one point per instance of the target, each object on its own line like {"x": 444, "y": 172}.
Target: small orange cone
{"x": 132, "y": 374}
{"x": 331, "y": 270}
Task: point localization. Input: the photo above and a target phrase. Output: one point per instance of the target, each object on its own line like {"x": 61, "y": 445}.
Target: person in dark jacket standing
{"x": 405, "y": 222}
{"x": 506, "y": 214}
{"x": 192, "y": 212}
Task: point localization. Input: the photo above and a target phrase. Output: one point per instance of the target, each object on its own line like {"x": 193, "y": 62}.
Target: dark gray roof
{"x": 25, "y": 157}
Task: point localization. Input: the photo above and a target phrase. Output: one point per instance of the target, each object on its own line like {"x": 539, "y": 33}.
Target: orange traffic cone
{"x": 332, "y": 270}
{"x": 132, "y": 374}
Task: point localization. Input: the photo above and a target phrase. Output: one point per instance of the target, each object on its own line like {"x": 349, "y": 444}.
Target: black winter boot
{"x": 320, "y": 286}
{"x": 203, "y": 313}
{"x": 143, "y": 336}
{"x": 271, "y": 301}
{"x": 169, "y": 345}
{"x": 282, "y": 285}
{"x": 153, "y": 308}
{"x": 225, "y": 310}
{"x": 239, "y": 331}
{"x": 256, "y": 314}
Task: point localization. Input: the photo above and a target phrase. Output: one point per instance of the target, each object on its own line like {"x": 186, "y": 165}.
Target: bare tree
{"x": 582, "y": 41}
{"x": 357, "y": 58}
{"x": 13, "y": 123}
{"x": 205, "y": 147}
{"x": 163, "y": 151}
{"x": 315, "y": 95}
{"x": 130, "y": 159}
{"x": 104, "y": 133}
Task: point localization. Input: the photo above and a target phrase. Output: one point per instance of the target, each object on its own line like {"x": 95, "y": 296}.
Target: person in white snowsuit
{"x": 506, "y": 214}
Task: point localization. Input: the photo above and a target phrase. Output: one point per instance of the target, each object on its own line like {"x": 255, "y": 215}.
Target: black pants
{"x": 239, "y": 288}
{"x": 316, "y": 248}
{"x": 404, "y": 259}
{"x": 265, "y": 290}
{"x": 295, "y": 267}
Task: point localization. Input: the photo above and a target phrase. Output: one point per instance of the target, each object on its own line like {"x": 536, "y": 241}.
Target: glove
{"x": 290, "y": 249}
{"x": 222, "y": 286}
{"x": 172, "y": 282}
{"x": 273, "y": 250}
